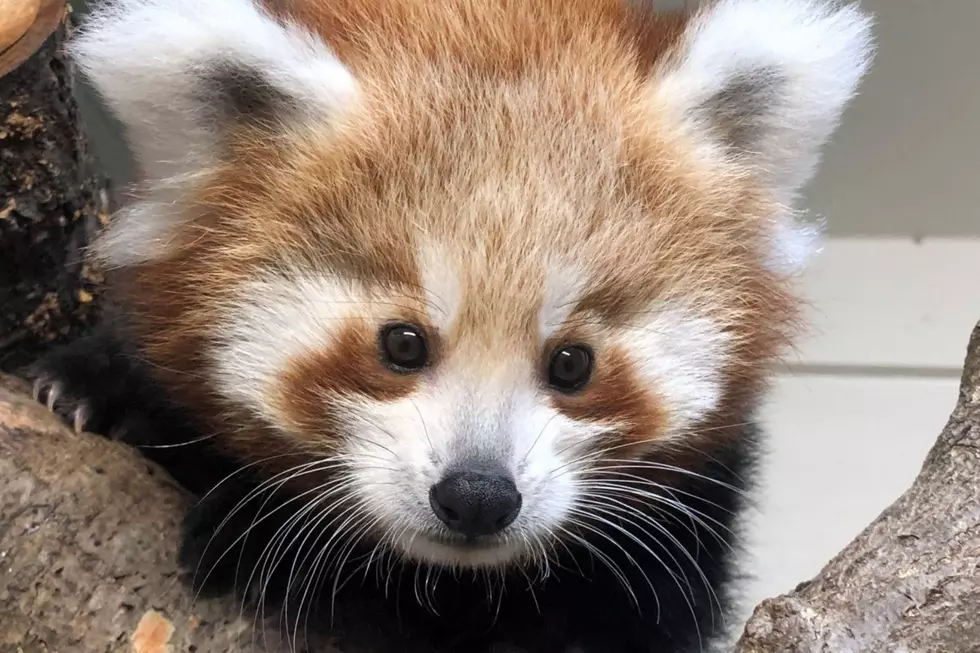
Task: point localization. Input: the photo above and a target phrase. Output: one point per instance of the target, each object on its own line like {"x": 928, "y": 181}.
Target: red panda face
{"x": 482, "y": 280}
{"x": 495, "y": 328}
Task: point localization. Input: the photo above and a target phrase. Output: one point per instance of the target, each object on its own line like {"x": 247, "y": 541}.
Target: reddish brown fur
{"x": 351, "y": 367}
{"x": 504, "y": 130}
{"x": 617, "y": 397}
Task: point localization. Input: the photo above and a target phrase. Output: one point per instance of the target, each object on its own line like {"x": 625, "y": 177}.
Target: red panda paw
{"x": 51, "y": 393}
{"x": 88, "y": 383}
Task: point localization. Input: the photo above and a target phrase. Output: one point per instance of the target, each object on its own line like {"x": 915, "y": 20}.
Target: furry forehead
{"x": 760, "y": 84}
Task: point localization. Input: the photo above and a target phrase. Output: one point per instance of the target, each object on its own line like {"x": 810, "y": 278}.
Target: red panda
{"x": 479, "y": 295}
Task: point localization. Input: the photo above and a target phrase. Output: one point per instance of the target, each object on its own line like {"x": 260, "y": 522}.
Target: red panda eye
{"x": 403, "y": 348}
{"x": 570, "y": 368}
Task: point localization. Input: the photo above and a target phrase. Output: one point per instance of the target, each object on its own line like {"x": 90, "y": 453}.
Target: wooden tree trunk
{"x": 88, "y": 532}
{"x": 52, "y": 200}
{"x": 910, "y": 582}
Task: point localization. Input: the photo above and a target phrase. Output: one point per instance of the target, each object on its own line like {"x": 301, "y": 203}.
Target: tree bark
{"x": 910, "y": 582}
{"x": 88, "y": 534}
{"x": 52, "y": 199}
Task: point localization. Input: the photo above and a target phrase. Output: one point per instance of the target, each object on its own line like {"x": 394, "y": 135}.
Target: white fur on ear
{"x": 765, "y": 82}
{"x": 171, "y": 70}
{"x": 175, "y": 72}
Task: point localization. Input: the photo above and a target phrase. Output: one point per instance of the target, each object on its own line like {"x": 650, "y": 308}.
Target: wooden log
{"x": 88, "y": 549}
{"x": 16, "y": 18}
{"x": 910, "y": 582}
{"x": 52, "y": 198}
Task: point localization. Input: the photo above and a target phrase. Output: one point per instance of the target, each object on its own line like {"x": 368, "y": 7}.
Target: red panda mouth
{"x": 452, "y": 550}
{"x": 468, "y": 542}
{"x": 484, "y": 551}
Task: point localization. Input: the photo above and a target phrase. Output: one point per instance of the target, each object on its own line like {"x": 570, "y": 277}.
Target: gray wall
{"x": 104, "y": 132}
{"x": 907, "y": 158}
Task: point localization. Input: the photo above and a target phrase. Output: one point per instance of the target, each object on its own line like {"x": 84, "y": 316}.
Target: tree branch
{"x": 52, "y": 199}
{"x": 88, "y": 539}
{"x": 911, "y": 580}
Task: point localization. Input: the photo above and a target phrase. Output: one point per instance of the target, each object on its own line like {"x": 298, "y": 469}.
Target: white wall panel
{"x": 841, "y": 450}
{"x": 892, "y": 303}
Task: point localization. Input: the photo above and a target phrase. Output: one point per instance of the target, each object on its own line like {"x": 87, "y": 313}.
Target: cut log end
{"x": 25, "y": 25}
{"x": 16, "y": 17}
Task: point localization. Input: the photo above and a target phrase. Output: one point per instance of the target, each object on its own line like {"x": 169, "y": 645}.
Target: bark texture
{"x": 52, "y": 200}
{"x": 910, "y": 582}
{"x": 88, "y": 533}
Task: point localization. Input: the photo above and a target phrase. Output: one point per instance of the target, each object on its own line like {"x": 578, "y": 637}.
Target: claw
{"x": 37, "y": 389}
{"x": 80, "y": 417}
{"x": 53, "y": 393}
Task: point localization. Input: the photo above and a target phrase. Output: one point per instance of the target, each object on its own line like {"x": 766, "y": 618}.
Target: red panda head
{"x": 480, "y": 260}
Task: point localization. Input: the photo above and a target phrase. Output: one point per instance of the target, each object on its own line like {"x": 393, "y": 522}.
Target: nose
{"x": 476, "y": 501}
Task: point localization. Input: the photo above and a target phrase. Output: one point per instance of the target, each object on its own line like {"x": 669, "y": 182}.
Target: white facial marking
{"x": 681, "y": 354}
{"x": 272, "y": 320}
{"x": 442, "y": 284}
{"x": 562, "y": 289}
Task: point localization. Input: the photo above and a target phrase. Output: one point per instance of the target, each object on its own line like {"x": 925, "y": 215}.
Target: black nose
{"x": 476, "y": 501}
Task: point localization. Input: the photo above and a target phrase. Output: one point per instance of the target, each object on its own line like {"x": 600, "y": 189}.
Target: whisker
{"x": 625, "y": 509}
{"x": 425, "y": 429}
{"x": 645, "y": 464}
{"x": 635, "y": 488}
{"x": 353, "y": 528}
{"x": 608, "y": 562}
{"x": 185, "y": 443}
{"x": 638, "y": 542}
{"x": 531, "y": 448}
{"x": 270, "y": 556}
{"x": 687, "y": 512}
{"x": 277, "y": 548}
{"x": 655, "y": 506}
{"x": 254, "y": 493}
{"x": 267, "y": 485}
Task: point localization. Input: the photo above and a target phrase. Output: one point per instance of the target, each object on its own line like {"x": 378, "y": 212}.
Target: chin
{"x": 453, "y": 552}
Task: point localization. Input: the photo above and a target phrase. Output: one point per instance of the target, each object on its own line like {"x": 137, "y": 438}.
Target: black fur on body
{"x": 676, "y": 604}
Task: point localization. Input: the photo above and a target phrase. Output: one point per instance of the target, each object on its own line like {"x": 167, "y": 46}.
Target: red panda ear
{"x": 763, "y": 83}
{"x": 173, "y": 70}
{"x": 767, "y": 80}
{"x": 176, "y": 72}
